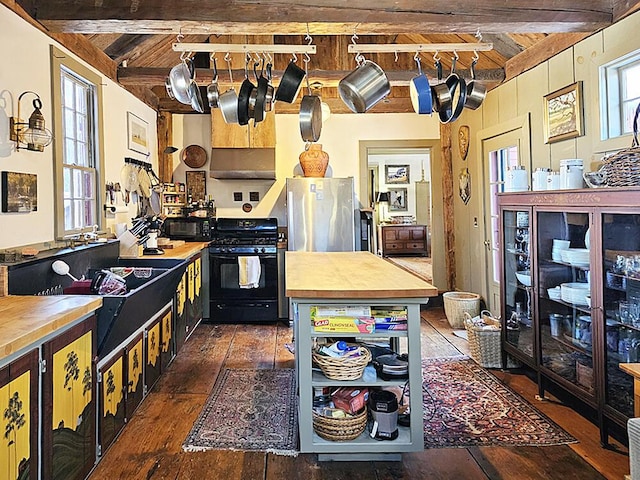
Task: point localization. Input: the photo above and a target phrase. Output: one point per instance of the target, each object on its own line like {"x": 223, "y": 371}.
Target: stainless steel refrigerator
{"x": 321, "y": 214}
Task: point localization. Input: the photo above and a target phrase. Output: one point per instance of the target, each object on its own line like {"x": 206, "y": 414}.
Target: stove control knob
{"x": 263, "y": 250}
{"x": 256, "y": 250}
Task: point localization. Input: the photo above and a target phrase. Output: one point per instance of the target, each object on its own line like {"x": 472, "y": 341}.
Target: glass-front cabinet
{"x": 516, "y": 287}
{"x": 571, "y": 294}
{"x": 621, "y": 307}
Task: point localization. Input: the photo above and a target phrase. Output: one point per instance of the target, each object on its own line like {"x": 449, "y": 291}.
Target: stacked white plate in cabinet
{"x": 578, "y": 257}
{"x": 575, "y": 292}
{"x": 558, "y": 247}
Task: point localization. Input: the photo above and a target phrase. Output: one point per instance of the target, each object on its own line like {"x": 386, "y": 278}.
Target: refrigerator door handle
{"x": 290, "y": 229}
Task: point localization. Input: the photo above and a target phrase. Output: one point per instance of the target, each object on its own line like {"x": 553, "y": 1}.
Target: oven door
{"x": 225, "y": 278}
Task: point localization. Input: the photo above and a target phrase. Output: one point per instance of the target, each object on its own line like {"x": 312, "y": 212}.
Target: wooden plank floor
{"x": 150, "y": 445}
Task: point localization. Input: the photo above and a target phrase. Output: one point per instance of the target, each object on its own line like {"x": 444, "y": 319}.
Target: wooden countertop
{"x": 182, "y": 252}
{"x": 350, "y": 275}
{"x": 24, "y": 320}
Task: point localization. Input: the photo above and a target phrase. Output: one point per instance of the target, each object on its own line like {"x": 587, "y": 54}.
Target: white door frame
{"x": 521, "y": 127}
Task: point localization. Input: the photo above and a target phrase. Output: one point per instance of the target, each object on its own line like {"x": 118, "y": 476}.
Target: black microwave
{"x": 195, "y": 229}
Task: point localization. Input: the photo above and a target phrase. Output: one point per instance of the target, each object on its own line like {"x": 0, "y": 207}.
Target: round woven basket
{"x": 457, "y": 303}
{"x": 343, "y": 368}
{"x": 340, "y": 429}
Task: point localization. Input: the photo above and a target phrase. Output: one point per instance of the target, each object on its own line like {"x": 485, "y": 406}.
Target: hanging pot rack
{"x": 419, "y": 47}
{"x": 243, "y": 48}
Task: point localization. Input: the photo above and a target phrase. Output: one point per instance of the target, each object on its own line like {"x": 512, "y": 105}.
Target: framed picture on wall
{"x": 19, "y": 192}
{"x": 563, "y": 113}
{"x": 137, "y": 134}
{"x": 396, "y": 173}
{"x": 196, "y": 185}
{"x": 397, "y": 199}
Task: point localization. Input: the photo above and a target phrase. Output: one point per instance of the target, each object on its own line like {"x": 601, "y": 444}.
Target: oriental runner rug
{"x": 249, "y": 409}
{"x": 466, "y": 406}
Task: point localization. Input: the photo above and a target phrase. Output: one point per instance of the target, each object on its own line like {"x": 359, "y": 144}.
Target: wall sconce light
{"x": 33, "y": 134}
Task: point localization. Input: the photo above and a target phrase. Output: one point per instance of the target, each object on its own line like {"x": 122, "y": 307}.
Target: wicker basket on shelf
{"x": 622, "y": 169}
{"x": 340, "y": 429}
{"x": 343, "y": 368}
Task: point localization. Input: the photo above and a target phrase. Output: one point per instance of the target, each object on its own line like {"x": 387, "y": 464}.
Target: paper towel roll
{"x": 116, "y": 208}
{"x": 120, "y": 229}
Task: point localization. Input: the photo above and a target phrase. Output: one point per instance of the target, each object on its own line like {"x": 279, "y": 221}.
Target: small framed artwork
{"x": 19, "y": 192}
{"x": 397, "y": 199}
{"x": 196, "y": 185}
{"x": 563, "y": 113}
{"x": 396, "y": 173}
{"x": 137, "y": 134}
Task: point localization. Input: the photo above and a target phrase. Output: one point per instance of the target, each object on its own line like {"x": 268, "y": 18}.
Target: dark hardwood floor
{"x": 149, "y": 447}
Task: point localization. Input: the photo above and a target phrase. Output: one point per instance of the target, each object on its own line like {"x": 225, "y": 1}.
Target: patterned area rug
{"x": 419, "y": 266}
{"x": 467, "y": 406}
{"x": 249, "y": 409}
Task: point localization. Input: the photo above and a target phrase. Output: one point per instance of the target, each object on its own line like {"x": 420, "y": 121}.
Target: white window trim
{"x": 58, "y": 59}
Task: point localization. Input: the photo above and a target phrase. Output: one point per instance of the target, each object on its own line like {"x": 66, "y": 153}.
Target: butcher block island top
{"x": 350, "y": 275}
{"x": 25, "y": 320}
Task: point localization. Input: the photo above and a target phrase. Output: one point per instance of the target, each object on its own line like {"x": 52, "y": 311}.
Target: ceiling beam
{"x": 276, "y": 17}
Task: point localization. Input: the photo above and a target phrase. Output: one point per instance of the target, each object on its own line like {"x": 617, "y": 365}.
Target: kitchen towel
{"x": 249, "y": 272}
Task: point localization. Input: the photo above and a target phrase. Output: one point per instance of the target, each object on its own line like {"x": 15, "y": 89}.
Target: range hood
{"x": 243, "y": 163}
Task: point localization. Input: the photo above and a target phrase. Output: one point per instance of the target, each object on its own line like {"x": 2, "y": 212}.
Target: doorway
{"x": 400, "y": 174}
{"x": 503, "y": 146}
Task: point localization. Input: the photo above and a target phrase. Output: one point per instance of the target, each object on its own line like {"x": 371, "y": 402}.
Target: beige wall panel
{"x": 588, "y": 55}
{"x": 622, "y": 37}
{"x": 561, "y": 70}
{"x": 469, "y": 251}
{"x": 507, "y": 100}
{"x": 532, "y": 86}
{"x": 490, "y": 108}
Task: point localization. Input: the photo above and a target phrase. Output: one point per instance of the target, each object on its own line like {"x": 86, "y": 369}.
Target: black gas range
{"x": 243, "y": 284}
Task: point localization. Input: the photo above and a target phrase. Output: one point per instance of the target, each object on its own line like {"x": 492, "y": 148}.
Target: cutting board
{"x": 169, "y": 244}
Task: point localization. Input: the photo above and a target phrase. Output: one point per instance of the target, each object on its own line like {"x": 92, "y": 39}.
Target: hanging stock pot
{"x": 228, "y": 101}
{"x": 420, "y": 91}
{"x": 364, "y": 87}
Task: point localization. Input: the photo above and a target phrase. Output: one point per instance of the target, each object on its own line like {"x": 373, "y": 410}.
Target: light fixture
{"x": 33, "y": 134}
{"x": 382, "y": 197}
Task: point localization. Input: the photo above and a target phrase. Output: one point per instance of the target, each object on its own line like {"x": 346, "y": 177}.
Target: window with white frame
{"x": 620, "y": 95}
{"x": 76, "y": 94}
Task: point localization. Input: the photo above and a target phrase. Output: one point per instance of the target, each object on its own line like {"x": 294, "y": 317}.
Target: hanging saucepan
{"x": 475, "y": 90}
{"x": 228, "y": 101}
{"x": 440, "y": 94}
{"x": 196, "y": 97}
{"x": 310, "y": 112}
{"x": 290, "y": 83}
{"x": 268, "y": 97}
{"x": 458, "y": 89}
{"x": 260, "y": 94}
{"x": 243, "y": 97}
{"x": 180, "y": 78}
{"x": 212, "y": 89}
{"x": 420, "y": 91}
{"x": 167, "y": 85}
{"x": 364, "y": 87}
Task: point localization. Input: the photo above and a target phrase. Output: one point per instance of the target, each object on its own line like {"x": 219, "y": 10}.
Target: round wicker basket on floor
{"x": 343, "y": 368}
{"x": 457, "y": 303}
{"x": 340, "y": 429}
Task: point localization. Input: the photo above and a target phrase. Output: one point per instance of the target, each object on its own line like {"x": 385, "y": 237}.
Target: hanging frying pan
{"x": 290, "y": 83}
{"x": 213, "y": 94}
{"x": 310, "y": 113}
{"x": 194, "y": 156}
{"x": 243, "y": 98}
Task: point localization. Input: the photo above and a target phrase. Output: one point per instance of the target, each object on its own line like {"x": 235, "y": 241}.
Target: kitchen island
{"x": 362, "y": 280}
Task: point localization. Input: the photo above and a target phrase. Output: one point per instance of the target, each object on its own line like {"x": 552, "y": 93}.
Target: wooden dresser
{"x": 403, "y": 240}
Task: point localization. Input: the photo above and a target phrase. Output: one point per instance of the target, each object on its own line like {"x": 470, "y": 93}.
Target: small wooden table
{"x": 634, "y": 369}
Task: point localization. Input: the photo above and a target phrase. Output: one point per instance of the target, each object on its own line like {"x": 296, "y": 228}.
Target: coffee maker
{"x": 383, "y": 406}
